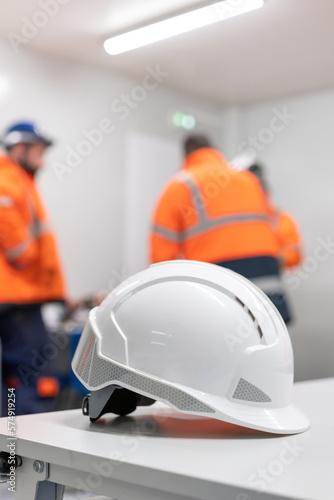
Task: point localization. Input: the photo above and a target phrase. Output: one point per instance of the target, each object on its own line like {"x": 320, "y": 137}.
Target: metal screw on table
{"x": 38, "y": 466}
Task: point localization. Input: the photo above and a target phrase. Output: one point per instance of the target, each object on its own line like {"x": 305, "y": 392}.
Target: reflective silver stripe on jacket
{"x": 17, "y": 251}
{"x": 6, "y": 201}
{"x": 168, "y": 234}
{"x": 35, "y": 231}
{"x": 205, "y": 223}
{"x": 198, "y": 201}
{"x": 36, "y": 228}
{"x": 222, "y": 221}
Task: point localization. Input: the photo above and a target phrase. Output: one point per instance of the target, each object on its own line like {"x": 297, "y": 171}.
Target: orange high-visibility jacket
{"x": 29, "y": 266}
{"x": 290, "y": 241}
{"x": 211, "y": 213}
{"x": 288, "y": 236}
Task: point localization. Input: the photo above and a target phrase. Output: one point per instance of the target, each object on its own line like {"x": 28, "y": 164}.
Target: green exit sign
{"x": 184, "y": 121}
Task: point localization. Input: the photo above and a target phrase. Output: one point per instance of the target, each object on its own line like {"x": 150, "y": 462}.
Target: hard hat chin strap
{"x": 112, "y": 399}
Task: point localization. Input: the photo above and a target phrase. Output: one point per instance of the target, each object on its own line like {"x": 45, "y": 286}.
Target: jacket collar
{"x": 14, "y": 164}
{"x": 203, "y": 157}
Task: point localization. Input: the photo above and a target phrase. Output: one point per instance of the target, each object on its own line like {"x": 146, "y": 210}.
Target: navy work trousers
{"x": 23, "y": 336}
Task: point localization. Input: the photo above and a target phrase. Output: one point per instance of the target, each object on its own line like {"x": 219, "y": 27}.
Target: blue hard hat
{"x": 26, "y": 132}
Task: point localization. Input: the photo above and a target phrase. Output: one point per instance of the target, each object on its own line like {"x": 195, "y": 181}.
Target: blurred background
{"x": 261, "y": 82}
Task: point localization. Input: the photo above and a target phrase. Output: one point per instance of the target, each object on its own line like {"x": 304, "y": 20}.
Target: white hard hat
{"x": 198, "y": 337}
{"x": 243, "y": 160}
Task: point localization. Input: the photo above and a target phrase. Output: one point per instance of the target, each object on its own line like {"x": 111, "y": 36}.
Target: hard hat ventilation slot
{"x": 251, "y": 315}
{"x": 249, "y": 312}
{"x": 240, "y": 302}
{"x": 245, "y": 391}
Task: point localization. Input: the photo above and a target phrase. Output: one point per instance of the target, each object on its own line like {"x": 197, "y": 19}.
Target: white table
{"x": 160, "y": 454}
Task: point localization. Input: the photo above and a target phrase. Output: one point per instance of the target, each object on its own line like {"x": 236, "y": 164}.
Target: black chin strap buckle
{"x": 112, "y": 399}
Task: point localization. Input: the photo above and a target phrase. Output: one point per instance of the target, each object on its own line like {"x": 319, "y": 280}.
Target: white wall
{"x": 87, "y": 207}
{"x": 150, "y": 162}
{"x": 299, "y": 162}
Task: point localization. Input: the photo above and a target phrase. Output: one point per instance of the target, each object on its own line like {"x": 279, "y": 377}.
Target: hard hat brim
{"x": 263, "y": 417}
{"x": 17, "y": 137}
{"x": 286, "y": 420}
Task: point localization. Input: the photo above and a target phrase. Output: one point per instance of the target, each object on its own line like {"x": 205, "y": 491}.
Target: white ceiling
{"x": 286, "y": 47}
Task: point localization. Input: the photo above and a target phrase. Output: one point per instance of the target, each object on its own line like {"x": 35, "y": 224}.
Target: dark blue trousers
{"x": 24, "y": 358}
{"x": 260, "y": 267}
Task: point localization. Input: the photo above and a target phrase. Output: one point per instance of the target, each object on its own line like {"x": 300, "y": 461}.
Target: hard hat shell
{"x": 199, "y": 338}
{"x": 27, "y": 133}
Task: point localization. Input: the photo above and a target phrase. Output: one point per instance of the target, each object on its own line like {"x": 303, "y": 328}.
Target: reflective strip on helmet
{"x": 17, "y": 251}
{"x": 245, "y": 391}
{"x": 81, "y": 362}
{"x": 96, "y": 372}
{"x": 6, "y": 201}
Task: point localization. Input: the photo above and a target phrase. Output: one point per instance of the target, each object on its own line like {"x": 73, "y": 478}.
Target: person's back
{"x": 209, "y": 212}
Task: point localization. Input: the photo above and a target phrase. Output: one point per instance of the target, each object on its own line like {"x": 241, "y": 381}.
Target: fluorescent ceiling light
{"x": 179, "y": 24}
{"x": 4, "y": 84}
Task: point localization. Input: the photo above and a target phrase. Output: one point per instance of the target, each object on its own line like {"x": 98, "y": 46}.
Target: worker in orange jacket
{"x": 210, "y": 212}
{"x": 289, "y": 239}
{"x": 285, "y": 226}
{"x": 30, "y": 271}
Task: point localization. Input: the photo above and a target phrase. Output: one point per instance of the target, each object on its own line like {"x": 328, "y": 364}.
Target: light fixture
{"x": 4, "y": 85}
{"x": 179, "y": 24}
